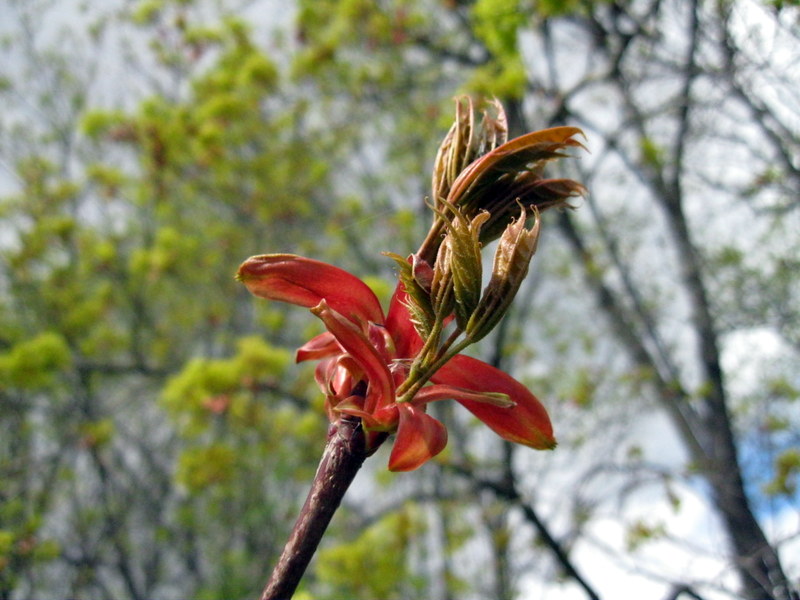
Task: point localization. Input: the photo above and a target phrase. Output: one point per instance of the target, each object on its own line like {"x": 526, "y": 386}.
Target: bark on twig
{"x": 344, "y": 454}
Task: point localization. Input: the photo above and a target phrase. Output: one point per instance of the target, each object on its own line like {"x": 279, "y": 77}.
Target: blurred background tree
{"x": 156, "y": 439}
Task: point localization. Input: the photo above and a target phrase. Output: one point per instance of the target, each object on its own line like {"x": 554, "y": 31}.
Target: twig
{"x": 344, "y": 454}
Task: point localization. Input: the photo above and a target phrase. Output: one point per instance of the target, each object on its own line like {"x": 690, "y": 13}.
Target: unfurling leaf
{"x": 416, "y": 280}
{"x": 463, "y": 250}
{"x": 514, "y": 252}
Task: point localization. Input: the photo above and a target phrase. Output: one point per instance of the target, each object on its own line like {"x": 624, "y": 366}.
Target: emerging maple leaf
{"x": 384, "y": 369}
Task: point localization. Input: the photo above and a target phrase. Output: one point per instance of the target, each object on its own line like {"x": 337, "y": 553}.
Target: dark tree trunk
{"x": 706, "y": 427}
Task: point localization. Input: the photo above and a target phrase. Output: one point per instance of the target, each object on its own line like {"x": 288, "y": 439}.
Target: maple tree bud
{"x": 514, "y": 252}
{"x": 477, "y": 170}
{"x": 417, "y": 276}
{"x": 465, "y": 142}
{"x": 463, "y": 259}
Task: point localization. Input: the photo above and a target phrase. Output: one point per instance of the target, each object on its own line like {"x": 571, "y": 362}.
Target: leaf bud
{"x": 515, "y": 249}
{"x": 459, "y": 263}
{"x": 416, "y": 277}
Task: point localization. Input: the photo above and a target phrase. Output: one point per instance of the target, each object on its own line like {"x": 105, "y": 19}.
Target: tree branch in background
{"x": 506, "y": 490}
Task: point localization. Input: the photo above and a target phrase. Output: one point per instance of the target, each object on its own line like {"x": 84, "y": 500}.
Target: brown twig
{"x": 344, "y": 454}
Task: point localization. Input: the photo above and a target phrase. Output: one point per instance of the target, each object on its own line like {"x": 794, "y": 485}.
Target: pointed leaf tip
{"x": 527, "y": 422}
{"x": 306, "y": 282}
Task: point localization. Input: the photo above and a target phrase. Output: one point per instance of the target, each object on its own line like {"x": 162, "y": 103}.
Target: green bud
{"x": 442, "y": 298}
{"x": 514, "y": 252}
{"x": 466, "y": 264}
{"x": 416, "y": 280}
{"x": 460, "y": 258}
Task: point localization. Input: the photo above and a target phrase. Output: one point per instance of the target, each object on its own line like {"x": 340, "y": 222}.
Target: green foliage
{"x": 95, "y": 434}
{"x": 497, "y": 23}
{"x": 642, "y": 532}
{"x": 33, "y": 363}
{"x": 782, "y": 387}
{"x": 506, "y": 81}
{"x": 98, "y": 123}
{"x": 214, "y": 386}
{"x": 359, "y": 569}
{"x": 554, "y": 8}
{"x": 584, "y": 389}
{"x": 327, "y": 27}
{"x": 124, "y": 232}
{"x": 781, "y": 5}
{"x": 652, "y": 153}
{"x": 787, "y": 473}
{"x": 199, "y": 468}
{"x": 22, "y": 546}
{"x": 146, "y": 11}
